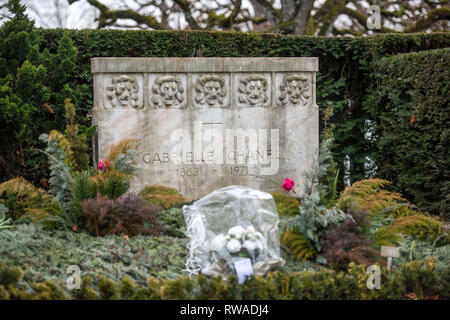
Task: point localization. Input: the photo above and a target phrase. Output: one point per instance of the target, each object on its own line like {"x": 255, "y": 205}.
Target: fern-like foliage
{"x": 370, "y": 195}
{"x": 24, "y": 199}
{"x": 418, "y": 227}
{"x": 297, "y": 245}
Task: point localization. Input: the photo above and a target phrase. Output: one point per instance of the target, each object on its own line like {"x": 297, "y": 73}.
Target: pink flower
{"x": 288, "y": 184}
{"x": 101, "y": 165}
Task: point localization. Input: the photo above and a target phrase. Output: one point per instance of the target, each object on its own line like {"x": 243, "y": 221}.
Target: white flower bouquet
{"x": 239, "y": 242}
{"x": 233, "y": 230}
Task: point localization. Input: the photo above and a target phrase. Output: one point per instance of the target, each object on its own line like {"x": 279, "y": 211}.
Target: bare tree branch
{"x": 329, "y": 17}
{"x": 185, "y": 7}
{"x": 425, "y": 22}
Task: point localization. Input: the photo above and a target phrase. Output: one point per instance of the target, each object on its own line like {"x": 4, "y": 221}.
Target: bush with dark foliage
{"x": 128, "y": 214}
{"x": 347, "y": 243}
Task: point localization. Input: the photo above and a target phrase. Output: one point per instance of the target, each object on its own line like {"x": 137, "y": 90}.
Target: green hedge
{"x": 415, "y": 279}
{"x": 412, "y": 99}
{"x": 345, "y": 64}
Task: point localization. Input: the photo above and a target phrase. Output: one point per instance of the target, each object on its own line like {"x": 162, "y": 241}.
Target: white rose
{"x": 218, "y": 243}
{"x": 250, "y": 229}
{"x": 255, "y": 236}
{"x": 234, "y": 245}
{"x": 236, "y": 231}
{"x": 249, "y": 245}
{"x": 258, "y": 236}
{"x": 259, "y": 245}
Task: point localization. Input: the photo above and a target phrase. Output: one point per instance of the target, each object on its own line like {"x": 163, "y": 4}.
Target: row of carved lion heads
{"x": 210, "y": 90}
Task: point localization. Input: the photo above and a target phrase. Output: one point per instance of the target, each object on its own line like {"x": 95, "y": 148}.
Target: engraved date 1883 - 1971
{"x": 193, "y": 171}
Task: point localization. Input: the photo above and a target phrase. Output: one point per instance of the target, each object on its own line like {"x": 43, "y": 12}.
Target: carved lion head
{"x": 211, "y": 90}
{"x": 123, "y": 90}
{"x": 253, "y": 89}
{"x": 294, "y": 89}
{"x": 167, "y": 91}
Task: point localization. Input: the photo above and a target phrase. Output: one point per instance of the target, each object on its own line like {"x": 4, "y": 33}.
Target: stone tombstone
{"x": 207, "y": 123}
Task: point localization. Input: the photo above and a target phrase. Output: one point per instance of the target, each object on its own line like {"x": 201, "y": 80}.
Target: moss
{"x": 161, "y": 190}
{"x": 286, "y": 205}
{"x": 164, "y": 197}
{"x": 164, "y": 201}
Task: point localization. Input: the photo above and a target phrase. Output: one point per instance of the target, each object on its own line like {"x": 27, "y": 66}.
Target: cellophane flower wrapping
{"x": 230, "y": 224}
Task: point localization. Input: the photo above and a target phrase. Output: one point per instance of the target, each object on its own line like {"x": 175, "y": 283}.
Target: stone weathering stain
{"x": 206, "y": 123}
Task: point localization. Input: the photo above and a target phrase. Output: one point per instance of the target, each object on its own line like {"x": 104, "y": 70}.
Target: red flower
{"x": 288, "y": 184}
{"x": 104, "y": 165}
{"x": 101, "y": 165}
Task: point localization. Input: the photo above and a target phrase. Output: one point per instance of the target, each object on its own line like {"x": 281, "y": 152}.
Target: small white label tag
{"x": 244, "y": 269}
{"x": 393, "y": 252}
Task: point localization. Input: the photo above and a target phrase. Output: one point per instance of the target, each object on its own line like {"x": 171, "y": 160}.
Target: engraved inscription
{"x": 123, "y": 91}
{"x": 206, "y": 123}
{"x": 210, "y": 90}
{"x": 167, "y": 92}
{"x": 239, "y": 170}
{"x": 187, "y": 172}
{"x": 294, "y": 90}
{"x": 253, "y": 90}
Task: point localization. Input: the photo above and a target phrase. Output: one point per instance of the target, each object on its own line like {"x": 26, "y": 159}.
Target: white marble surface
{"x": 206, "y": 123}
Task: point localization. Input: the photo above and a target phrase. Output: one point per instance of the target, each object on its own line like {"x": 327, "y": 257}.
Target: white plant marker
{"x": 390, "y": 252}
{"x": 244, "y": 269}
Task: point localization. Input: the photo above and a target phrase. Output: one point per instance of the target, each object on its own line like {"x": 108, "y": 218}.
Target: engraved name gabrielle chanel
{"x": 219, "y": 146}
